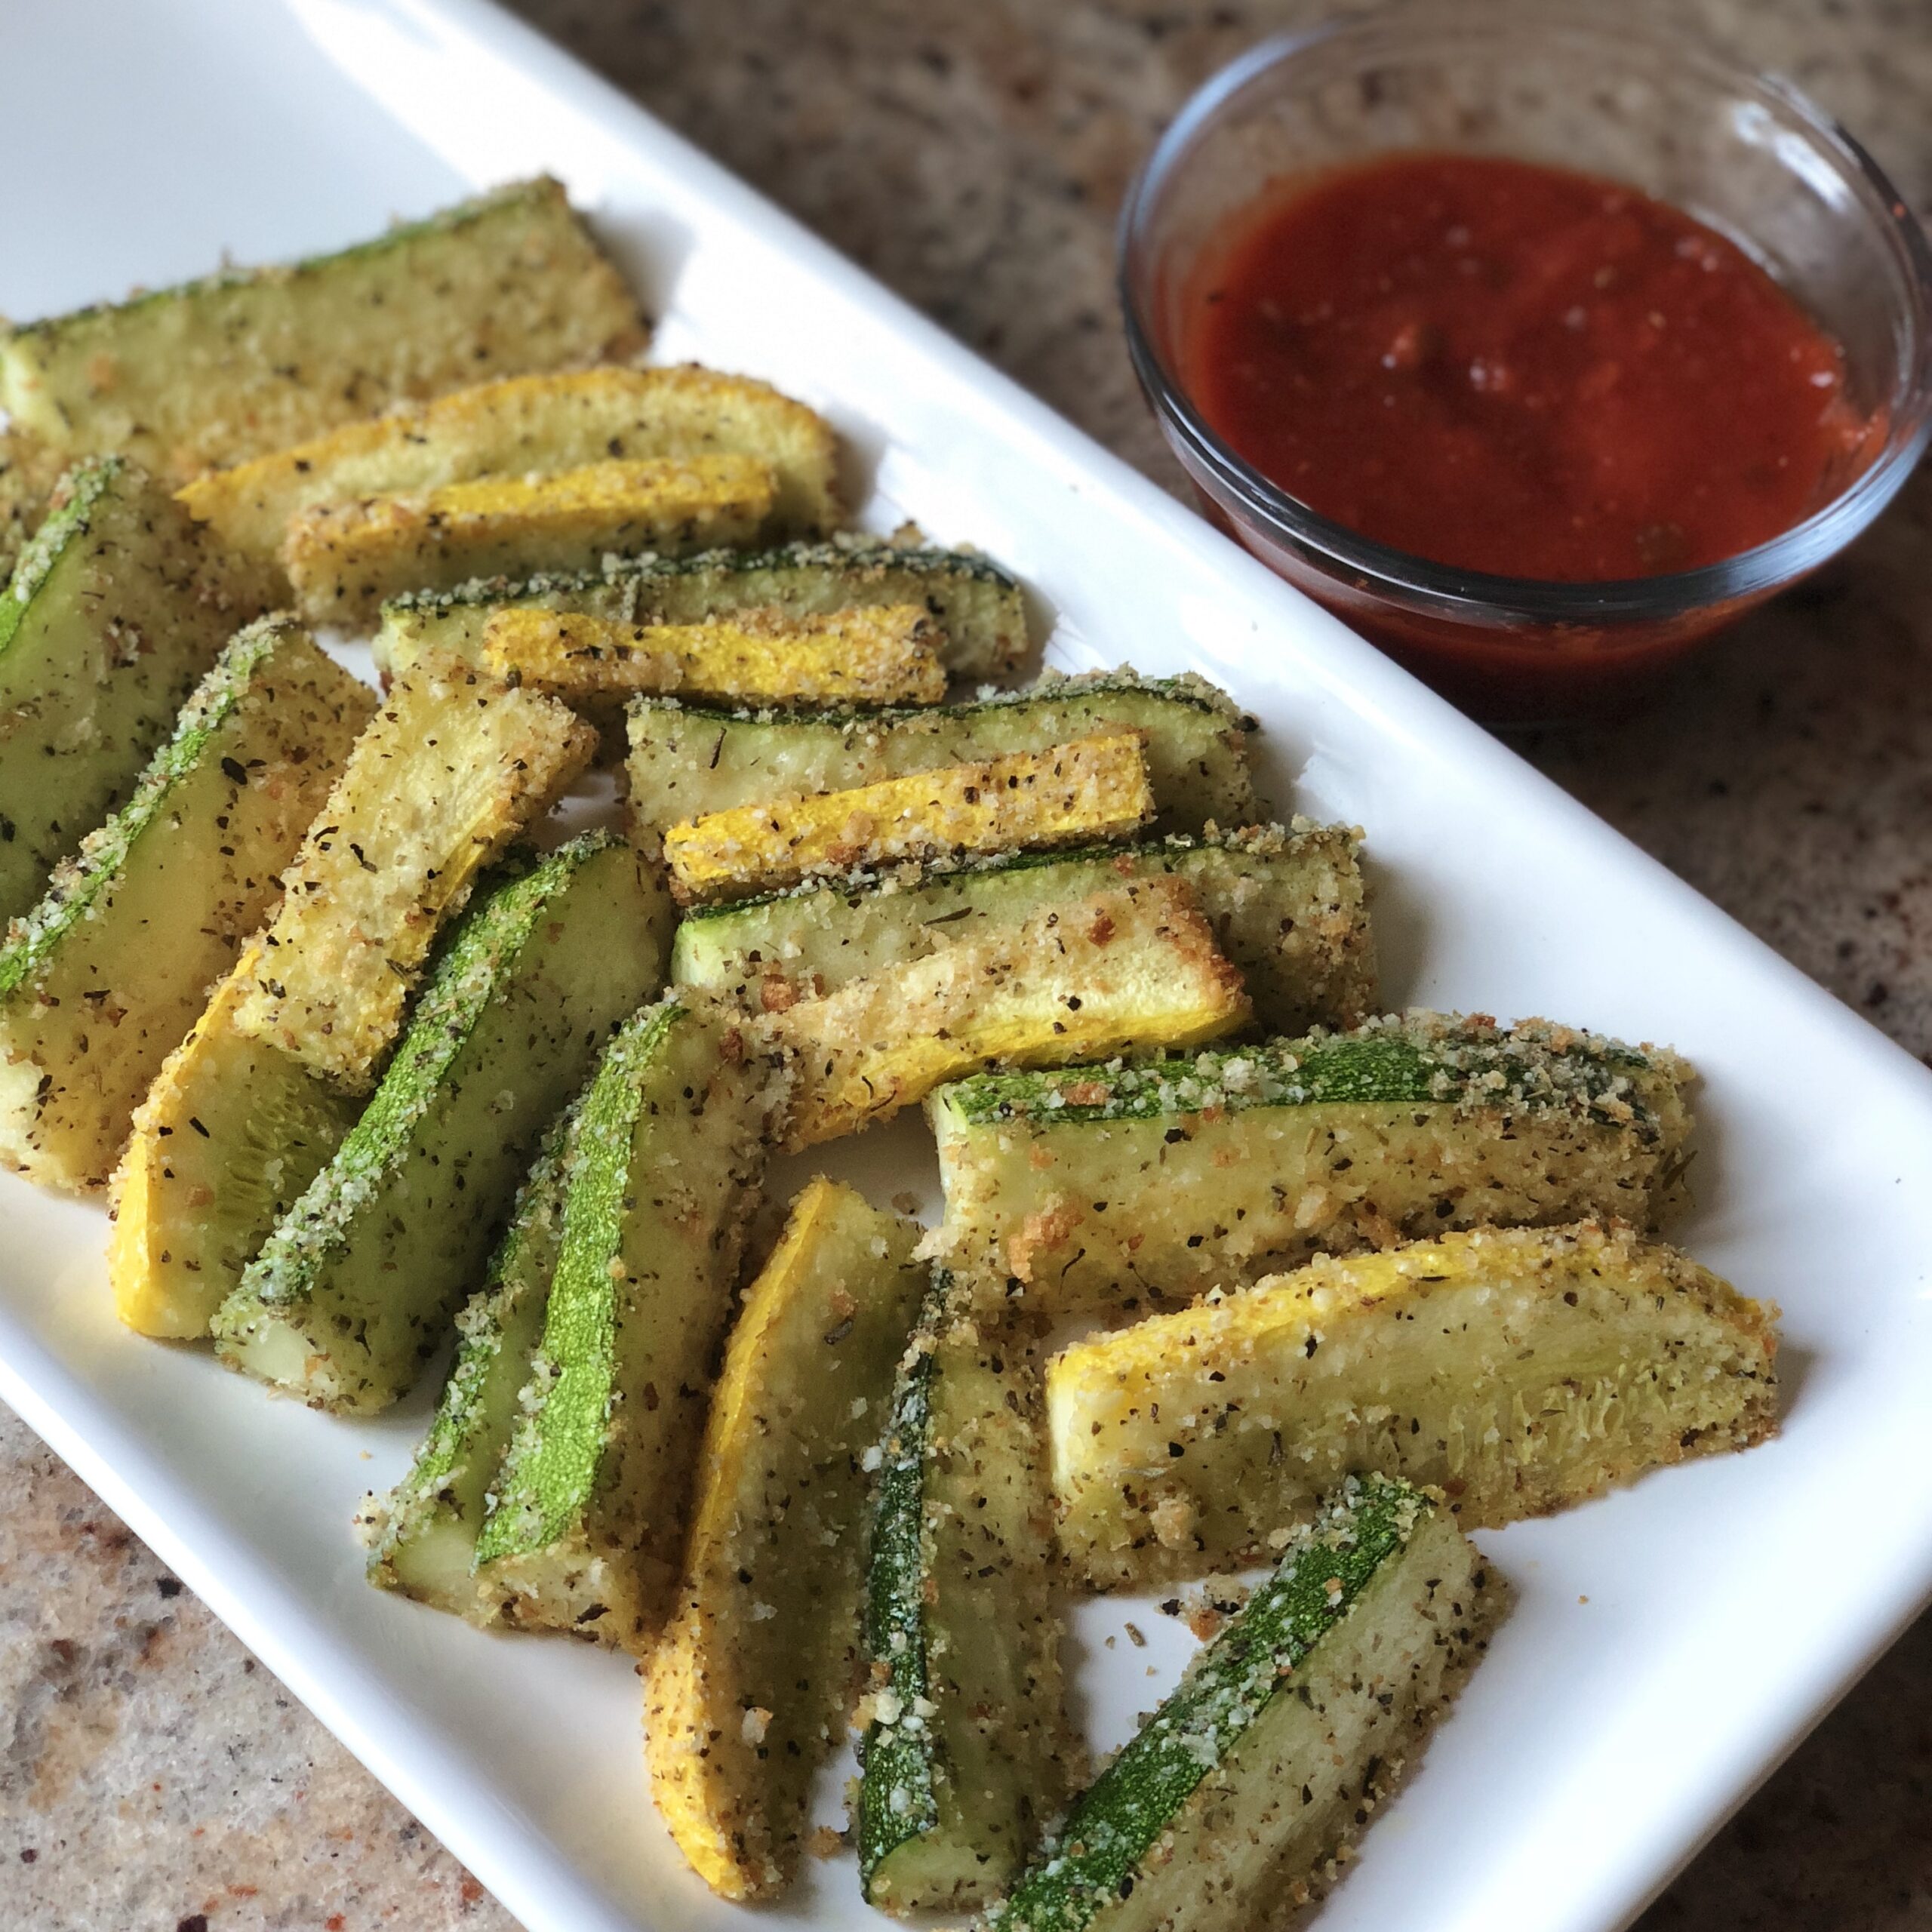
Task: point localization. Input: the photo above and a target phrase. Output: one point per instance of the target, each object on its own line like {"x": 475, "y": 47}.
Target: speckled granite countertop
{"x": 972, "y": 152}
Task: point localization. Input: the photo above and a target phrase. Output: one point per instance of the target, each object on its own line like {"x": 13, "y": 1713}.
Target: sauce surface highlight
{"x": 1512, "y": 368}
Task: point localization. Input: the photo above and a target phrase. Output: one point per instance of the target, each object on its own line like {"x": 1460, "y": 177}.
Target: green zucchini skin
{"x": 355, "y": 1288}
{"x": 1419, "y": 1123}
{"x": 584, "y": 1529}
{"x": 422, "y": 1535}
{"x": 966, "y": 1750}
{"x": 106, "y": 974}
{"x": 236, "y": 364}
{"x": 118, "y": 606}
{"x": 1287, "y": 903}
{"x": 976, "y": 605}
{"x": 1231, "y": 1803}
{"x": 898, "y": 1794}
{"x": 686, "y": 761}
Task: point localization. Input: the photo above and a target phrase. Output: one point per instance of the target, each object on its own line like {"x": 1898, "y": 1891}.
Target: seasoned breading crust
{"x": 967, "y": 1749}
{"x": 1519, "y": 1370}
{"x": 119, "y": 605}
{"x": 1287, "y": 904}
{"x": 1265, "y": 1155}
{"x": 232, "y": 1131}
{"x": 237, "y": 1126}
{"x": 358, "y": 1284}
{"x": 29, "y": 472}
{"x": 1131, "y": 969}
{"x": 1235, "y": 1804}
{"x": 976, "y": 605}
{"x": 422, "y": 1536}
{"x": 587, "y": 1517}
{"x": 688, "y": 759}
{"x": 451, "y": 768}
{"x": 531, "y": 426}
{"x": 250, "y": 360}
{"x": 104, "y": 977}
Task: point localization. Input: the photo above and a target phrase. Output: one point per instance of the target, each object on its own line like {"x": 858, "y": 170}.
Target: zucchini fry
{"x": 746, "y": 1691}
{"x": 1093, "y": 787}
{"x": 966, "y": 1752}
{"x": 343, "y": 559}
{"x": 886, "y": 655}
{"x": 450, "y": 770}
{"x": 686, "y": 762}
{"x": 1235, "y": 1803}
{"x": 976, "y": 606}
{"x": 422, "y": 1536}
{"x": 118, "y": 607}
{"x": 102, "y": 978}
{"x": 1519, "y": 1370}
{"x": 221, "y": 369}
{"x": 585, "y": 1526}
{"x": 1286, "y": 905}
{"x": 1130, "y": 969}
{"x": 529, "y": 425}
{"x": 1267, "y": 1155}
{"x": 356, "y": 1286}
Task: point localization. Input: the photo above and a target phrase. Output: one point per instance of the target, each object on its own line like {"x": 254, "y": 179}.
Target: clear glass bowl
{"x": 1746, "y": 154}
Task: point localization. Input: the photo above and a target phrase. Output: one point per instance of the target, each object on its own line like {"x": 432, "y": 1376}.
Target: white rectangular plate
{"x": 1667, "y": 1644}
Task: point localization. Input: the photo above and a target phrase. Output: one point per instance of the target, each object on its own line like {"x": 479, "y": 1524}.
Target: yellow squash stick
{"x": 1093, "y": 789}
{"x": 344, "y": 559}
{"x": 887, "y": 653}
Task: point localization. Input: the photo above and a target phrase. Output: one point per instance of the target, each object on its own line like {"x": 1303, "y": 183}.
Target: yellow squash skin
{"x": 887, "y": 653}
{"x": 343, "y": 560}
{"x": 532, "y": 425}
{"x": 748, "y": 1687}
{"x": 977, "y": 608}
{"x": 1518, "y": 1370}
{"x": 1091, "y": 789}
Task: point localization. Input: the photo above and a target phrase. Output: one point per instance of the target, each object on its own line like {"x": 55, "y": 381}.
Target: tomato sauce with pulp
{"x": 1512, "y": 368}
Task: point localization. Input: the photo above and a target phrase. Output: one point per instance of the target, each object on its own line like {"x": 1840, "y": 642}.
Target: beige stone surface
{"x": 972, "y": 152}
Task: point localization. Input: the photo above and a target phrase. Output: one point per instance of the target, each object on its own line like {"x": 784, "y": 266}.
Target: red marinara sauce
{"x": 1513, "y": 368}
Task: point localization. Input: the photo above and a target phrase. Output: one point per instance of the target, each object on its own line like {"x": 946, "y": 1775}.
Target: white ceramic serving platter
{"x": 1667, "y": 1644}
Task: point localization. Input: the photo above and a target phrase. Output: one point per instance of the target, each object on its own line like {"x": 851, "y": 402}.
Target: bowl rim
{"x": 1448, "y": 590}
